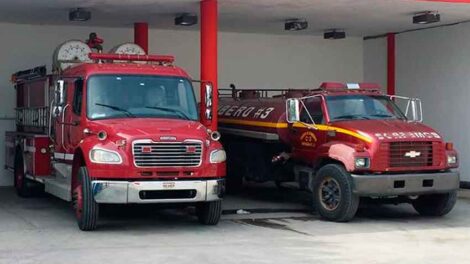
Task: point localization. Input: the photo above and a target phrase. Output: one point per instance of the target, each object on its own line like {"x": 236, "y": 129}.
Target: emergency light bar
{"x": 129, "y": 57}
{"x": 349, "y": 86}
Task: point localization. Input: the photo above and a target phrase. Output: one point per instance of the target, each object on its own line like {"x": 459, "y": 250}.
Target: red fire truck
{"x": 341, "y": 141}
{"x": 116, "y": 128}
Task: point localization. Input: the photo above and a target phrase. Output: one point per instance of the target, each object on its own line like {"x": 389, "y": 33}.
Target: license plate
{"x": 168, "y": 185}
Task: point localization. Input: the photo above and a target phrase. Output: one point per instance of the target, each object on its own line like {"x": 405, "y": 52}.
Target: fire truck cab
{"x": 342, "y": 142}
{"x": 119, "y": 128}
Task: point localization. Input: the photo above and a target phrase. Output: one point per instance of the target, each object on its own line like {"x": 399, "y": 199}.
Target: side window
{"x": 77, "y": 97}
{"x": 314, "y": 107}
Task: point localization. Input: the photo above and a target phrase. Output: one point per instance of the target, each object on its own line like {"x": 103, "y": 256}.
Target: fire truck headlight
{"x": 361, "y": 163}
{"x": 218, "y": 156}
{"x": 451, "y": 159}
{"x": 105, "y": 156}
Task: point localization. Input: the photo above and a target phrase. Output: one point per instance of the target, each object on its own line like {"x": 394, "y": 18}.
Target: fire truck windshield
{"x": 140, "y": 96}
{"x": 357, "y": 107}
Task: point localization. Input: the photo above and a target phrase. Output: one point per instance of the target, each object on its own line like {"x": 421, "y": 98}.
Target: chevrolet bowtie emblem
{"x": 412, "y": 154}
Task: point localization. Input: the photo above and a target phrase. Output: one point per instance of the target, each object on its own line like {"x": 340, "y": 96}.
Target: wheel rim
{"x": 78, "y": 201}
{"x": 329, "y": 193}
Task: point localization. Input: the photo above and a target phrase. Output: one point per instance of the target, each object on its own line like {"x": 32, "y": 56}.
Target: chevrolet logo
{"x": 190, "y": 149}
{"x": 412, "y": 154}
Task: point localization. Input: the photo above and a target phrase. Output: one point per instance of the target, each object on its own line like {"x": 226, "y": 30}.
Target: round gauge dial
{"x": 70, "y": 53}
{"x": 128, "y": 48}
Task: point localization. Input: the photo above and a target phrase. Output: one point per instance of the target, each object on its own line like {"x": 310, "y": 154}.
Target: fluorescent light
{"x": 186, "y": 19}
{"x": 295, "y": 24}
{"x": 79, "y": 14}
{"x": 426, "y": 17}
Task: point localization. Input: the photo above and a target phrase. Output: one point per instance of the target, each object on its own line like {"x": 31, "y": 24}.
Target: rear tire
{"x": 208, "y": 213}
{"x": 23, "y": 185}
{"x": 85, "y": 207}
{"x": 435, "y": 204}
{"x": 333, "y": 194}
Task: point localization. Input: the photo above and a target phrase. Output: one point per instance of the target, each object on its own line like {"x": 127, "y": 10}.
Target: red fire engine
{"x": 115, "y": 128}
{"x": 342, "y": 142}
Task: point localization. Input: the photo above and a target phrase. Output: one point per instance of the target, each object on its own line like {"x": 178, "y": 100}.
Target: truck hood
{"x": 387, "y": 129}
{"x": 153, "y": 128}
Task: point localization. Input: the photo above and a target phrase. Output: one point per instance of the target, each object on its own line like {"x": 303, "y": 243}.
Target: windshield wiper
{"x": 345, "y": 117}
{"x": 129, "y": 114}
{"x": 384, "y": 115}
{"x": 177, "y": 111}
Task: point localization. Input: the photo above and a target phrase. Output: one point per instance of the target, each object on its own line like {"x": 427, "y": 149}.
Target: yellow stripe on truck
{"x": 252, "y": 123}
{"x": 298, "y": 124}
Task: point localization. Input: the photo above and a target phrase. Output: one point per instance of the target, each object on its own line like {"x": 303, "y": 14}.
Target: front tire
{"x": 333, "y": 194}
{"x": 435, "y": 204}
{"x": 208, "y": 213}
{"x": 85, "y": 207}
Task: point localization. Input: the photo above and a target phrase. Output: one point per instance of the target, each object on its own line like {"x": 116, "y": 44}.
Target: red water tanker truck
{"x": 342, "y": 142}
{"x": 116, "y": 128}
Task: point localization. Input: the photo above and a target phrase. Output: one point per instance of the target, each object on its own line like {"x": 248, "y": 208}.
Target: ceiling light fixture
{"x": 79, "y": 14}
{"x": 186, "y": 19}
{"x": 426, "y": 17}
{"x": 334, "y": 34}
{"x": 295, "y": 24}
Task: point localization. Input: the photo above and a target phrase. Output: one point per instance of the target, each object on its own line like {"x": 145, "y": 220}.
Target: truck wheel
{"x": 208, "y": 213}
{"x": 333, "y": 194}
{"x": 435, "y": 204}
{"x": 85, "y": 207}
{"x": 23, "y": 185}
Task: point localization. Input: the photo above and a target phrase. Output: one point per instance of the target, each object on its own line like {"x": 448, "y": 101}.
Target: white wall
{"x": 375, "y": 61}
{"x": 248, "y": 60}
{"x": 434, "y": 66}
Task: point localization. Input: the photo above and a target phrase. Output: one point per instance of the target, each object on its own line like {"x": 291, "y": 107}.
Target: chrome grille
{"x": 405, "y": 154}
{"x": 167, "y": 154}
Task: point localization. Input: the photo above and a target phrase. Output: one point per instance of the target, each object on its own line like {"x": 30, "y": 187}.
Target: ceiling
{"x": 357, "y": 17}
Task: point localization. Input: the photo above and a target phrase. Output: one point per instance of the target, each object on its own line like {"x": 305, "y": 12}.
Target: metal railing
{"x": 33, "y": 117}
{"x": 259, "y": 93}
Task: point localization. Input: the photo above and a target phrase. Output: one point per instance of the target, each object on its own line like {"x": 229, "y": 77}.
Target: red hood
{"x": 152, "y": 128}
{"x": 391, "y": 129}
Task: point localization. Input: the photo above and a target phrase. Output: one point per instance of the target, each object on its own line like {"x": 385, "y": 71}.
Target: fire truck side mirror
{"x": 411, "y": 107}
{"x": 59, "y": 96}
{"x": 208, "y": 101}
{"x": 416, "y": 110}
{"x": 293, "y": 110}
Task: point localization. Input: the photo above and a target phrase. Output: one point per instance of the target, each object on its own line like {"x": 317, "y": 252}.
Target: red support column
{"x": 391, "y": 63}
{"x": 209, "y": 28}
{"x": 141, "y": 35}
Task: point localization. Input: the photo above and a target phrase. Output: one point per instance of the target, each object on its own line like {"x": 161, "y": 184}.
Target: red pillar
{"x": 209, "y": 56}
{"x": 391, "y": 63}
{"x": 141, "y": 35}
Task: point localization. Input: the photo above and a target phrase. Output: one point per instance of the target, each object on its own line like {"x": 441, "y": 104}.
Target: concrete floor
{"x": 43, "y": 230}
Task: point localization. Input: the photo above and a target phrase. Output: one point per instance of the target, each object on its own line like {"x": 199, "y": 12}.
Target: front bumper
{"x": 124, "y": 192}
{"x": 405, "y": 184}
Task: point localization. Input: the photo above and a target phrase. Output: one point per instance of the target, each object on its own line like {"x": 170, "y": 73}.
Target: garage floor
{"x": 281, "y": 230}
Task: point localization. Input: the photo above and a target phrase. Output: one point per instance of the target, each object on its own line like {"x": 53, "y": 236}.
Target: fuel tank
{"x": 252, "y": 116}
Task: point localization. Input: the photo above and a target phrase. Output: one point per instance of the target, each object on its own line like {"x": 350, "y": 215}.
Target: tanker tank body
{"x": 256, "y": 136}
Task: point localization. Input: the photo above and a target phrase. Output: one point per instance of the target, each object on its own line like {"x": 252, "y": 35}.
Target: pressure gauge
{"x": 128, "y": 48}
{"x": 70, "y": 53}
